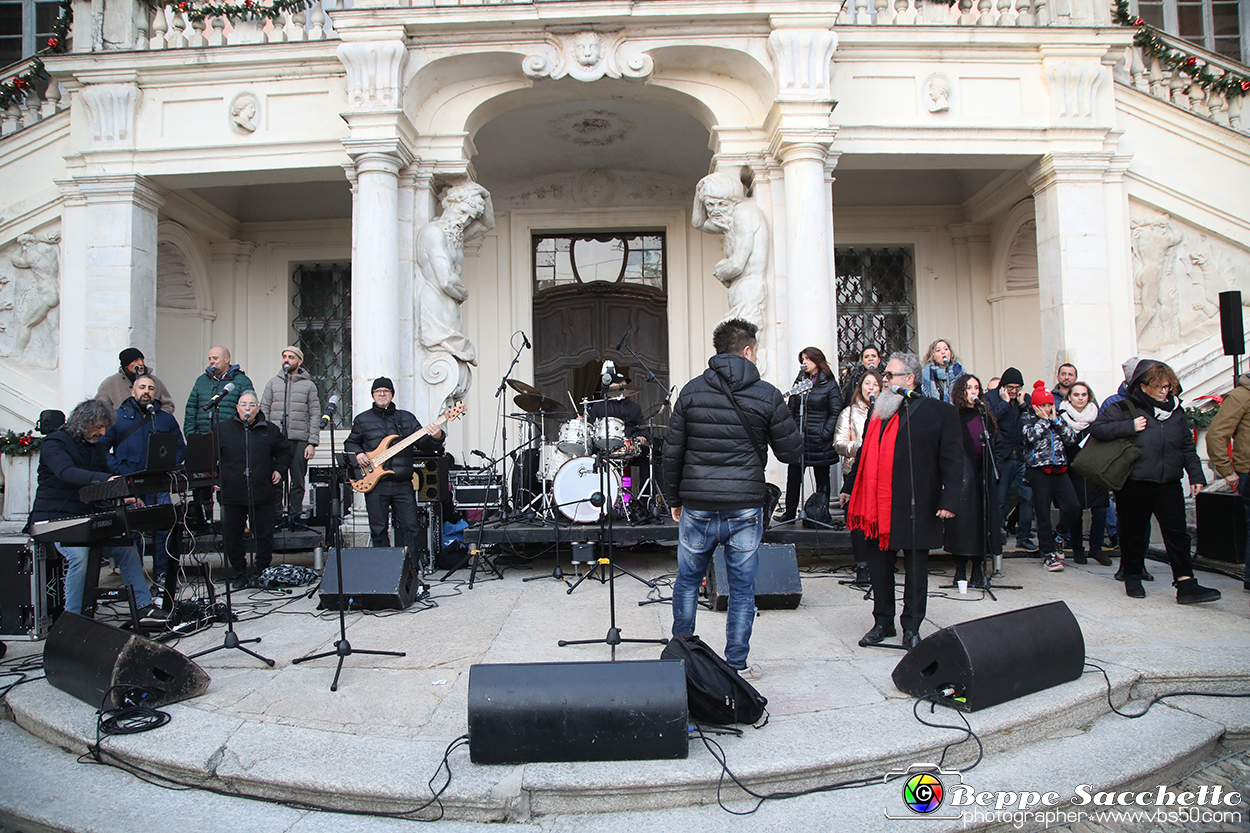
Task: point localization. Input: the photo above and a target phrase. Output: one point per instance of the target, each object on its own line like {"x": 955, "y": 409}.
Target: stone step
{"x": 46, "y": 789}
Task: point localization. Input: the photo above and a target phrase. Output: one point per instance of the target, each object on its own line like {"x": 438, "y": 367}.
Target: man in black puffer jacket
{"x": 253, "y": 455}
{"x": 394, "y": 492}
{"x": 714, "y": 478}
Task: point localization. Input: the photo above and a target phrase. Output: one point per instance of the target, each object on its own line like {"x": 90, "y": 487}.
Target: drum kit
{"x": 561, "y": 476}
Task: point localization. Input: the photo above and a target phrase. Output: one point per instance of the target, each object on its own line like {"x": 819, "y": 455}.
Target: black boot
{"x": 1190, "y": 592}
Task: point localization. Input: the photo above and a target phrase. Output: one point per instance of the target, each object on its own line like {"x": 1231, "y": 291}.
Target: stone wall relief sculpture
{"x": 721, "y": 207}
{"x": 1178, "y": 274}
{"x": 937, "y": 97}
{"x": 467, "y": 213}
{"x": 245, "y": 113}
{"x": 30, "y": 296}
{"x": 587, "y": 56}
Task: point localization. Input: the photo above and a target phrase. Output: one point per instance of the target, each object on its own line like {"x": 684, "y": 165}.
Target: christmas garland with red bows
{"x": 1147, "y": 37}
{"x": 14, "y": 89}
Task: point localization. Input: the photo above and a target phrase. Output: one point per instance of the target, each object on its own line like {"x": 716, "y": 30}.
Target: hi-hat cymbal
{"x": 537, "y": 403}
{"x": 521, "y": 387}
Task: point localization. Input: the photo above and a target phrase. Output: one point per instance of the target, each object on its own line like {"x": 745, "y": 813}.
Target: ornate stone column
{"x": 1074, "y": 267}
{"x": 800, "y": 137}
{"x": 380, "y": 147}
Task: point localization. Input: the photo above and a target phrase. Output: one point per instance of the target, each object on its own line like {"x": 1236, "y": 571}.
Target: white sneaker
{"x": 752, "y": 672}
{"x": 1053, "y": 563}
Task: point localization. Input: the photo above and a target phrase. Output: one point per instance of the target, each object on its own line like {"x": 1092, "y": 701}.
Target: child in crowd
{"x": 1046, "y": 460}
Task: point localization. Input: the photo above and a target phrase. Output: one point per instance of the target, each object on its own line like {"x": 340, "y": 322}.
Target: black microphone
{"x": 479, "y": 454}
{"x": 620, "y": 345}
{"x": 872, "y": 397}
{"x": 596, "y": 499}
{"x": 150, "y": 408}
{"x": 526, "y": 341}
{"x": 332, "y": 408}
{"x": 904, "y": 392}
{"x": 220, "y": 395}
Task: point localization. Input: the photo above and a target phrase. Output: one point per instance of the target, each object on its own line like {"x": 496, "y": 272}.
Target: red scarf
{"x": 872, "y": 496}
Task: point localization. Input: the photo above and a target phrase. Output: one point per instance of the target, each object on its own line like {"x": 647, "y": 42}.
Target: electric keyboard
{"x": 144, "y": 483}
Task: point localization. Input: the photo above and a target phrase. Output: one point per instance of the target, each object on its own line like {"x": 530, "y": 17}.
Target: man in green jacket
{"x": 1232, "y": 422}
{"x": 219, "y": 373}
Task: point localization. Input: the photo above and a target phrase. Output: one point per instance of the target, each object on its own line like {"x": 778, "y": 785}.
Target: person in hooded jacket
{"x": 714, "y": 479}
{"x": 818, "y": 419}
{"x": 1046, "y": 442}
{"x": 116, "y": 388}
{"x": 216, "y": 376}
{"x": 1152, "y": 417}
{"x": 253, "y": 452}
{"x": 291, "y": 397}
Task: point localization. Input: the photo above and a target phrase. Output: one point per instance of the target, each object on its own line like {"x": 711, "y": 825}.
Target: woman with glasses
{"x": 1152, "y": 417}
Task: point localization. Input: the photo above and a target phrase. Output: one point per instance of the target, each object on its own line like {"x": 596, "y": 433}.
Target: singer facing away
{"x": 219, "y": 373}
{"x": 290, "y": 400}
{"x": 138, "y": 418}
{"x": 394, "y": 493}
{"x": 907, "y": 479}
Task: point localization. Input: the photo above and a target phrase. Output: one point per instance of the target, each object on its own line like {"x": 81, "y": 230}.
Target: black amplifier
{"x": 32, "y": 589}
{"x": 475, "y": 489}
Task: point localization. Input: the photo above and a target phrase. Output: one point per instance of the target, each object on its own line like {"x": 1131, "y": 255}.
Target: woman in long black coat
{"x": 976, "y": 530}
{"x": 818, "y": 422}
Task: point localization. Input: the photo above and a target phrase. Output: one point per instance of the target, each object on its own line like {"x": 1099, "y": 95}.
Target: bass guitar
{"x": 386, "y": 451}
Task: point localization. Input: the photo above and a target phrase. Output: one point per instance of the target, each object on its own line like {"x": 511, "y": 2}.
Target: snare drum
{"x": 572, "y": 438}
{"x": 613, "y": 435}
{"x": 574, "y": 485}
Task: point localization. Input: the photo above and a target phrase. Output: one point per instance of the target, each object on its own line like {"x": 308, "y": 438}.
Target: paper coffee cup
{"x": 963, "y": 586}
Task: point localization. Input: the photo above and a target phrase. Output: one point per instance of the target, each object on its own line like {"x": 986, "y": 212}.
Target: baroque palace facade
{"x": 1015, "y": 176}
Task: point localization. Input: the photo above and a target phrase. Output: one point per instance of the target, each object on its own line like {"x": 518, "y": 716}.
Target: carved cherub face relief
{"x": 588, "y": 48}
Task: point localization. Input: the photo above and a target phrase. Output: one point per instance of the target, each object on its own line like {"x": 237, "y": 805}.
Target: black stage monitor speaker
{"x": 375, "y": 578}
{"x": 1232, "y": 331}
{"x": 1221, "y": 526}
{"x": 978, "y": 664}
{"x": 86, "y": 658}
{"x": 577, "y": 711}
{"x": 777, "y": 585}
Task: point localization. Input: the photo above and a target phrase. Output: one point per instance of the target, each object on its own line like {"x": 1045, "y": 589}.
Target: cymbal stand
{"x": 503, "y": 427}
{"x": 231, "y": 639}
{"x": 342, "y": 648}
{"x": 604, "y": 563}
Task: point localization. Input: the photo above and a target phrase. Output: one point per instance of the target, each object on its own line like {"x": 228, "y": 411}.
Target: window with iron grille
{"x": 876, "y": 301}
{"x": 323, "y": 329}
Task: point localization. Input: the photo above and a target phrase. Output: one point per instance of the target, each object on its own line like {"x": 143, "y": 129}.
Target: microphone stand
{"x": 342, "y": 648}
{"x": 656, "y": 509}
{"x": 503, "y": 433}
{"x": 231, "y": 639}
{"x": 989, "y": 564}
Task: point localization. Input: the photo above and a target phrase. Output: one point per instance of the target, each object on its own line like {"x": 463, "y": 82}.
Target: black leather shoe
{"x": 878, "y": 634}
{"x": 910, "y": 640}
{"x": 241, "y": 581}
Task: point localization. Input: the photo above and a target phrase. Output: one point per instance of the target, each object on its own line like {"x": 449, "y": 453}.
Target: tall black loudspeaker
{"x": 1232, "y": 330}
{"x": 86, "y": 658}
{"x": 1221, "y": 518}
{"x": 577, "y": 711}
{"x": 777, "y": 584}
{"x": 978, "y": 664}
{"x": 374, "y": 578}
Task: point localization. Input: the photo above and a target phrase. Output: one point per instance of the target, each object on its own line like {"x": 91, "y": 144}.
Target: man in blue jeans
{"x": 1008, "y": 402}
{"x": 69, "y": 459}
{"x": 714, "y": 478}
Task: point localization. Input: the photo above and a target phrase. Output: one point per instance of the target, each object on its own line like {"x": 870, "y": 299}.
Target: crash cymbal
{"x": 521, "y": 387}
{"x": 536, "y": 403}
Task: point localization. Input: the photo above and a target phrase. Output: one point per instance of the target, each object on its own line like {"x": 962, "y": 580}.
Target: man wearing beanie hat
{"x": 1046, "y": 440}
{"x": 393, "y": 494}
{"x": 115, "y": 389}
{"x": 290, "y": 401}
{"x": 1008, "y": 403}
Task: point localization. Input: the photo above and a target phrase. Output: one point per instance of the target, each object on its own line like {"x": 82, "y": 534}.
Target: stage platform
{"x": 524, "y": 532}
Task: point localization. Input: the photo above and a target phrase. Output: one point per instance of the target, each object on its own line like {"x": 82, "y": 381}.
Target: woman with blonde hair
{"x": 941, "y": 369}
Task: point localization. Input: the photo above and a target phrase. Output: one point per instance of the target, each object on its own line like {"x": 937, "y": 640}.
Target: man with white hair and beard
{"x": 906, "y": 481}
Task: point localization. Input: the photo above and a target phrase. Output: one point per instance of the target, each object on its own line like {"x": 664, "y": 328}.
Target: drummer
{"x": 618, "y": 406}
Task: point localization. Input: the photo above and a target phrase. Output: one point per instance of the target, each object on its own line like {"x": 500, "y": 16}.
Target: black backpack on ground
{"x": 715, "y": 693}
{"x": 816, "y": 511}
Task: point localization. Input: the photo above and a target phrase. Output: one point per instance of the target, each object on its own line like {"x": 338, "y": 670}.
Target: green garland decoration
{"x": 16, "y": 444}
{"x": 247, "y": 10}
{"x": 14, "y": 89}
{"x": 1147, "y": 37}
